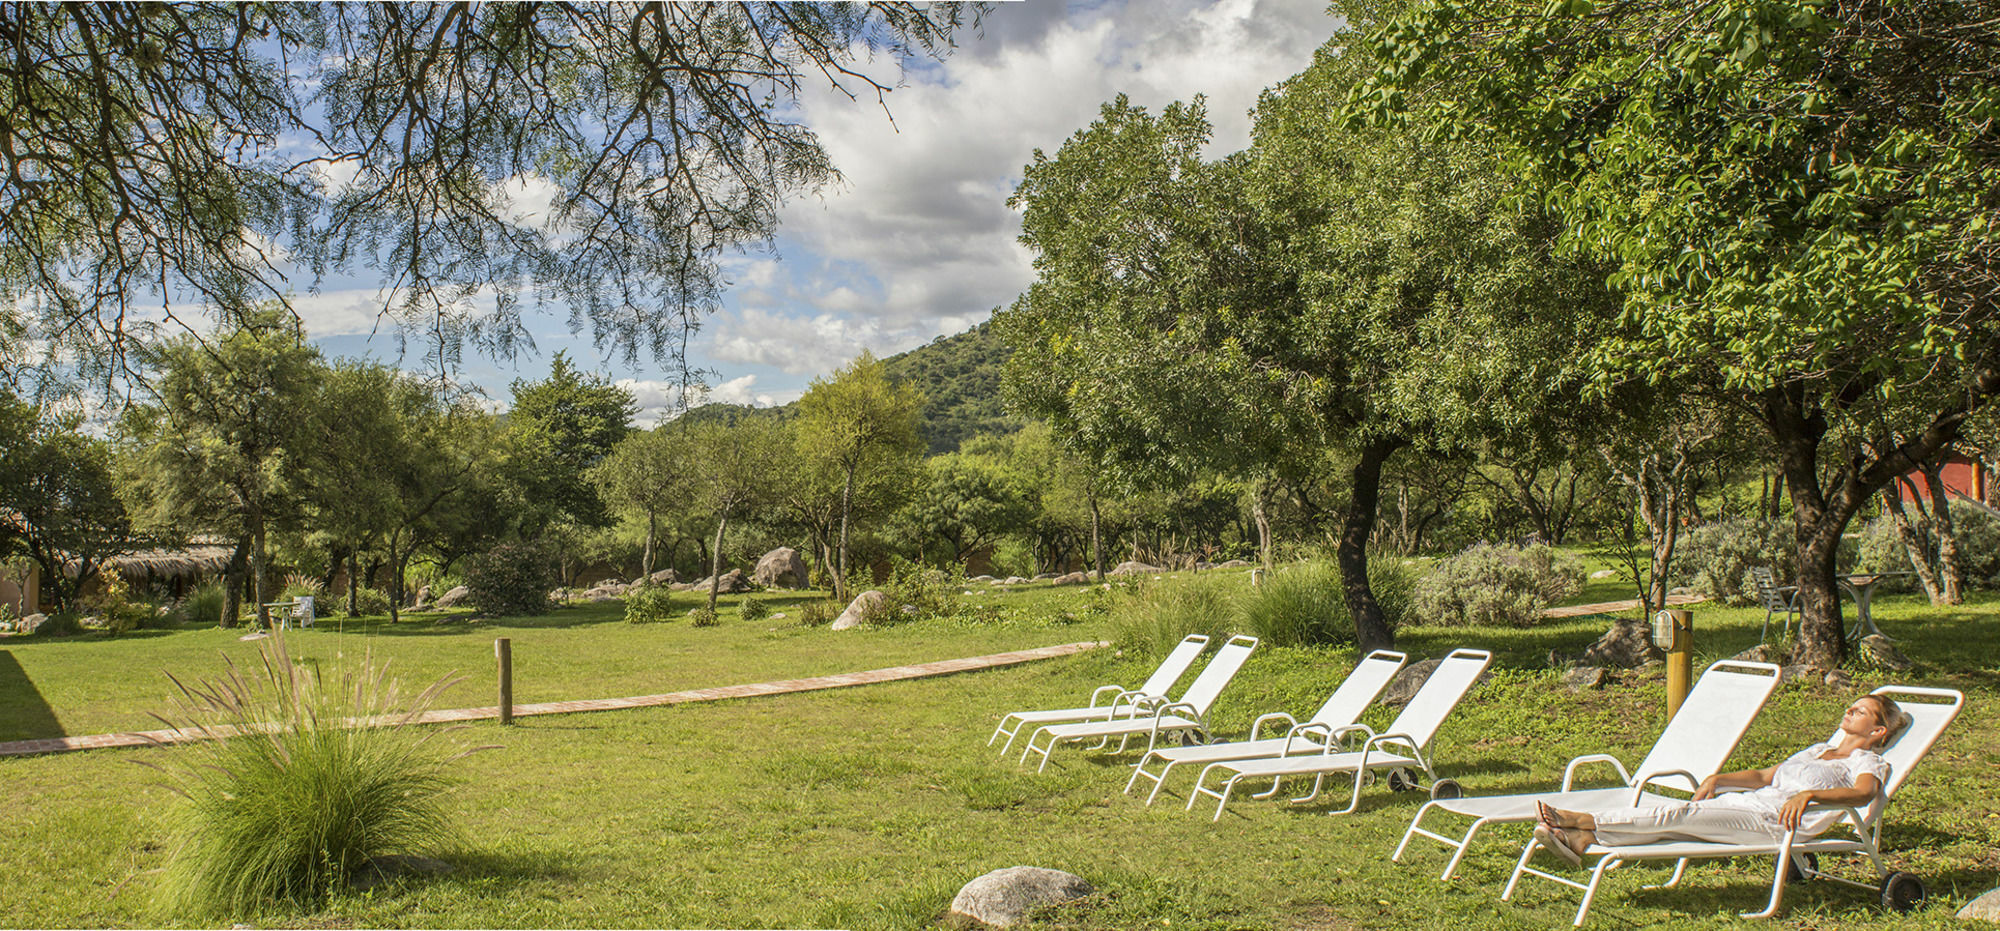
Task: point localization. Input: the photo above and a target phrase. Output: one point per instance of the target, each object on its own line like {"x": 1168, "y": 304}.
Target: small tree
{"x": 651, "y": 472}
{"x": 855, "y": 424}
{"x": 732, "y": 464}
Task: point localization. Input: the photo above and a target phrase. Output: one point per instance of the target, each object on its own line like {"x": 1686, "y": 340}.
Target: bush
{"x": 1716, "y": 558}
{"x": 819, "y": 613}
{"x": 704, "y": 616}
{"x": 113, "y": 603}
{"x": 649, "y": 604}
{"x": 934, "y": 593}
{"x": 509, "y": 579}
{"x": 1978, "y": 535}
{"x": 1497, "y": 584}
{"x": 203, "y": 605}
{"x": 291, "y": 811}
{"x": 750, "y": 609}
{"x": 1305, "y": 604}
{"x": 1156, "y": 617}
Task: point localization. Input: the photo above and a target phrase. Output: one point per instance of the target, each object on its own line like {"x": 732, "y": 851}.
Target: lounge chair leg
{"x": 1319, "y": 782}
{"x": 1458, "y": 856}
{"x": 1680, "y": 869}
{"x": 1159, "y": 782}
{"x": 1520, "y": 866}
{"x": 1590, "y": 892}
{"x": 1410, "y": 832}
{"x": 1002, "y": 729}
{"x": 1139, "y": 769}
{"x": 1222, "y": 803}
{"x": 1778, "y": 877}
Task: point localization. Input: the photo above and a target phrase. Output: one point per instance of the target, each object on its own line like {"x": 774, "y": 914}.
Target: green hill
{"x": 959, "y": 376}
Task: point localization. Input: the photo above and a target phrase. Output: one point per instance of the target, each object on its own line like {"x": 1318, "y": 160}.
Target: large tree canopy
{"x": 1799, "y": 198}
{"x": 165, "y": 152}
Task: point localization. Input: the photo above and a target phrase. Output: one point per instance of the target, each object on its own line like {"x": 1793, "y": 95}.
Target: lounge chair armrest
{"x": 1645, "y": 779}
{"x": 1117, "y": 692}
{"x": 1569, "y": 772}
{"x": 1291, "y": 723}
{"x": 1383, "y": 739}
{"x": 1179, "y": 706}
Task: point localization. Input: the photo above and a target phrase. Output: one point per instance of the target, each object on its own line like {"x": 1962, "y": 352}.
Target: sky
{"x": 917, "y": 241}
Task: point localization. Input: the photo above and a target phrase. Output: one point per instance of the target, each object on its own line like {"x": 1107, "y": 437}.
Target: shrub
{"x": 934, "y": 593}
{"x": 203, "y": 605}
{"x": 1156, "y": 617}
{"x": 649, "y": 604}
{"x": 1305, "y": 604}
{"x": 368, "y": 602}
{"x": 1716, "y": 558}
{"x": 1497, "y": 584}
{"x": 113, "y": 603}
{"x": 750, "y": 609}
{"x": 289, "y": 811}
{"x": 704, "y": 616}
{"x": 1978, "y": 535}
{"x": 819, "y": 613}
{"x": 509, "y": 579}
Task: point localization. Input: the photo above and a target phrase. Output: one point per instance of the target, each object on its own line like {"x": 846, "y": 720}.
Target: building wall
{"x": 1961, "y": 476}
{"x": 24, "y": 598}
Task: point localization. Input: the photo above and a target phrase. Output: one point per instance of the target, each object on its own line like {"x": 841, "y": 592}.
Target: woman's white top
{"x": 1805, "y": 771}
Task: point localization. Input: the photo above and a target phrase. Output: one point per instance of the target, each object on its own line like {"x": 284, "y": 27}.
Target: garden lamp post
{"x": 1673, "y": 631}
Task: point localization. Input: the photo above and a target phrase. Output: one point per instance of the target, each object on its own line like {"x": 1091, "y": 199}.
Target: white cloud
{"x": 919, "y": 241}
{"x": 660, "y": 400}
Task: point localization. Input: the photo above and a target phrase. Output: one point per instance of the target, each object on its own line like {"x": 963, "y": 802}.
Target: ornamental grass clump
{"x": 299, "y": 779}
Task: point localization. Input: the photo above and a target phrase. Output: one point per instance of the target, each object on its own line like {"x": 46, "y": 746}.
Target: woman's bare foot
{"x": 1554, "y": 817}
{"x": 1565, "y": 843}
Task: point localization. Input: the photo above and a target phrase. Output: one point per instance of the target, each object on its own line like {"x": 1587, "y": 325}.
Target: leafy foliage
{"x": 1716, "y": 558}
{"x": 959, "y": 378}
{"x": 1491, "y": 584}
{"x": 1154, "y": 617}
{"x": 649, "y": 604}
{"x": 512, "y": 578}
{"x": 295, "y": 804}
{"x": 1303, "y": 605}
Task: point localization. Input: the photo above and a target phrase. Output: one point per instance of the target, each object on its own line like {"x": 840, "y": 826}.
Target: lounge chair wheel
{"x": 1447, "y": 788}
{"x": 1400, "y": 781}
{"x": 1902, "y": 892}
{"x": 1794, "y": 874}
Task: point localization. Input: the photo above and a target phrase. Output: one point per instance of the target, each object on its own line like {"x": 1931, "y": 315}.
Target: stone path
{"x": 1607, "y": 607}
{"x": 779, "y": 687}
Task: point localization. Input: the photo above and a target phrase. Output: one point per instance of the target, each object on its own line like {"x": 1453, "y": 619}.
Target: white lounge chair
{"x": 1112, "y": 701}
{"x": 1189, "y": 715}
{"x": 1342, "y": 709}
{"x": 1410, "y": 733}
{"x": 1710, "y": 723}
{"x": 1859, "y": 829}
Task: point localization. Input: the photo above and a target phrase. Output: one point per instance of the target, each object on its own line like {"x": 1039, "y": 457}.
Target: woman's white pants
{"x": 1714, "y": 819}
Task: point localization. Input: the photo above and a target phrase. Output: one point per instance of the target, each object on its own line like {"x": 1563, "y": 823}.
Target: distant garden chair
{"x": 295, "y": 613}
{"x": 1776, "y": 598}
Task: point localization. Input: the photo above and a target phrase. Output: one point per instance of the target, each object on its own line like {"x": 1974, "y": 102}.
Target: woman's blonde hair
{"x": 1890, "y": 715}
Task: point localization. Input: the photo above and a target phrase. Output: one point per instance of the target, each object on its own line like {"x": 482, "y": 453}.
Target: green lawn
{"x": 868, "y": 807}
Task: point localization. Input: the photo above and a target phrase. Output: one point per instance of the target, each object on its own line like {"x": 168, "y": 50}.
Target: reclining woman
{"x": 1843, "y": 771}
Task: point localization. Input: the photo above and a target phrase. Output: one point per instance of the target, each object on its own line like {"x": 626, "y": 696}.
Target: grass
{"x": 868, "y": 807}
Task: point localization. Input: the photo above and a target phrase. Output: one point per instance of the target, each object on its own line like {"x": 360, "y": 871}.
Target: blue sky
{"x": 917, "y": 242}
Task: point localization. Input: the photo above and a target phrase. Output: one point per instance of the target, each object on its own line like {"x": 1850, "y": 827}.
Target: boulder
{"x": 1233, "y": 564}
{"x": 1876, "y": 651}
{"x": 1003, "y": 898}
{"x": 1046, "y": 576}
{"x": 1984, "y": 908}
{"x": 1585, "y": 677}
{"x": 665, "y": 577}
{"x": 1838, "y": 679}
{"x": 1134, "y": 566}
{"x": 780, "y": 568}
{"x": 423, "y": 598}
{"x": 635, "y": 583}
{"x": 863, "y": 604}
{"x": 1404, "y": 687}
{"x": 1074, "y": 578}
{"x": 453, "y": 597}
{"x": 733, "y": 583}
{"x": 32, "y": 623}
{"x": 981, "y": 578}
{"x": 1800, "y": 672}
{"x": 1015, "y": 580}
{"x": 1627, "y": 645}
{"x": 1761, "y": 653}
{"x": 1604, "y": 573}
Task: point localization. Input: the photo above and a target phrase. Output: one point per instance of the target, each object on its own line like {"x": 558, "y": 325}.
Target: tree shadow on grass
{"x": 24, "y": 713}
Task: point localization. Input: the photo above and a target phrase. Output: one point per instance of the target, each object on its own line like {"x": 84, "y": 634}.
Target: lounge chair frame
{"x": 1186, "y": 718}
{"x": 1931, "y": 710}
{"x": 1341, "y": 709}
{"x": 1709, "y": 724}
{"x": 1411, "y": 733}
{"x": 1108, "y": 702}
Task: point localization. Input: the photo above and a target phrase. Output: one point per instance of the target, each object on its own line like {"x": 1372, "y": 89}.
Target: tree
{"x": 731, "y": 463}
{"x": 562, "y": 426}
{"x": 167, "y": 147}
{"x": 60, "y": 505}
{"x": 650, "y": 471}
{"x": 1794, "y": 198}
{"x": 966, "y": 501}
{"x": 858, "y": 425}
{"x": 220, "y": 449}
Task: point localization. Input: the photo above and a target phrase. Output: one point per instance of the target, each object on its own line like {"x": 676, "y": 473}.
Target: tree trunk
{"x": 1817, "y": 522}
{"x": 846, "y": 501}
{"x": 1951, "y": 570}
{"x": 353, "y": 584}
{"x": 1096, "y": 538}
{"x": 652, "y": 532}
{"x": 1371, "y": 629}
{"x": 715, "y": 565}
{"x": 1261, "y": 515}
{"x": 396, "y": 560}
{"x": 260, "y": 569}
{"x": 232, "y": 588}
{"x": 1913, "y": 542}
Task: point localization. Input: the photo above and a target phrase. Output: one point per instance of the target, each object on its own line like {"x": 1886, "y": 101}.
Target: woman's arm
{"x": 1741, "y": 779}
{"x": 1863, "y": 792}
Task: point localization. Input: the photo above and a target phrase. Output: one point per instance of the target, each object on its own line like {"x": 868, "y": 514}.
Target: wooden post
{"x": 1680, "y": 655}
{"x": 503, "y": 648}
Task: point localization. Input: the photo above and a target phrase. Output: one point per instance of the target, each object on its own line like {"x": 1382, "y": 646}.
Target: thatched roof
{"x": 185, "y": 562}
